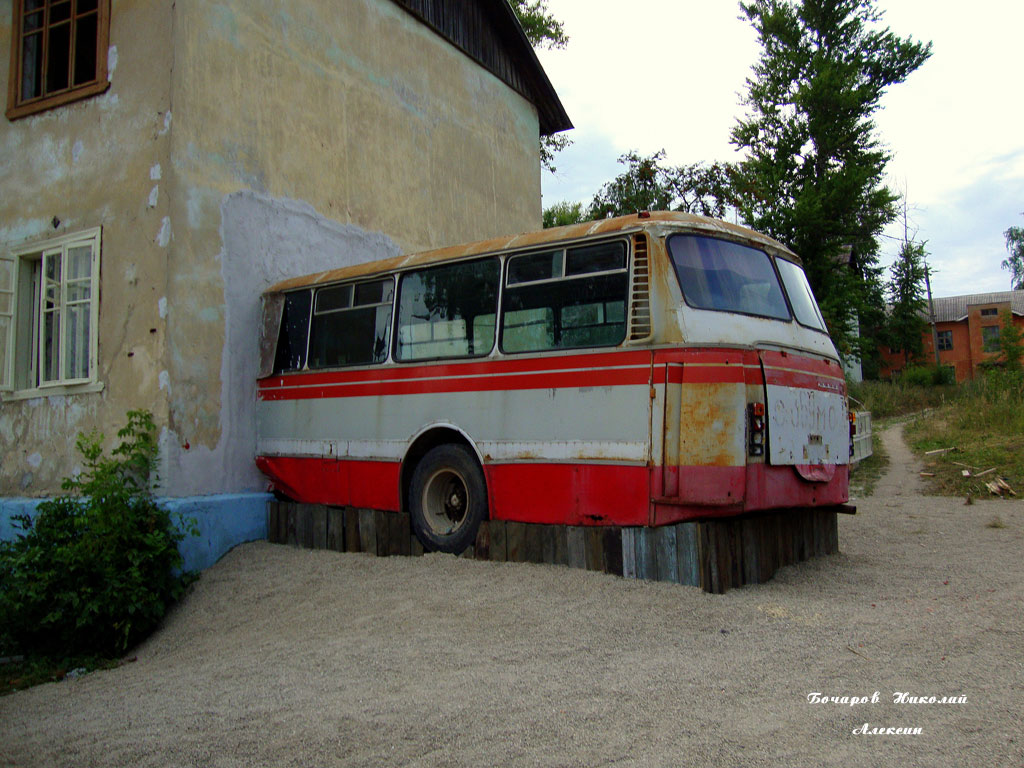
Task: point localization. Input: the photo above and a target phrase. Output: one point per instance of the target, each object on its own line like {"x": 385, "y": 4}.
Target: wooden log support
{"x": 367, "y": 532}
{"x": 515, "y": 542}
{"x": 665, "y": 555}
{"x": 533, "y": 543}
{"x": 576, "y": 547}
{"x": 612, "y": 550}
{"x": 352, "y": 530}
{"x": 629, "y": 553}
{"x": 336, "y": 529}
{"x": 318, "y": 527}
{"x": 687, "y": 555}
{"x": 593, "y": 548}
{"x": 482, "y": 545}
{"x": 715, "y": 555}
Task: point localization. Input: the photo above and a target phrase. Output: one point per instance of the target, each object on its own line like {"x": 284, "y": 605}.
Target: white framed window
{"x": 49, "y": 314}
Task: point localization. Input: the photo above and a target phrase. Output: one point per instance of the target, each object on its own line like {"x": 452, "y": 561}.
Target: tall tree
{"x": 649, "y": 185}
{"x": 907, "y": 295}
{"x": 1015, "y": 263}
{"x": 813, "y": 172}
{"x": 543, "y": 30}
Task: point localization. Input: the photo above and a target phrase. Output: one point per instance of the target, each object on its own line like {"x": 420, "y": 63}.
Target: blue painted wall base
{"x": 224, "y": 521}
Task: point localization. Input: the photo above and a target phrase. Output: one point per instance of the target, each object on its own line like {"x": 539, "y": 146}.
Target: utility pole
{"x": 931, "y": 310}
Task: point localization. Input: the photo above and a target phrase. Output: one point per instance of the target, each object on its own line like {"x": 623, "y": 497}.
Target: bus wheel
{"x": 447, "y": 499}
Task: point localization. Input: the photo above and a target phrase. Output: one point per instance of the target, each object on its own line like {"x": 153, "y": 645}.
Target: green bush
{"x": 97, "y": 568}
{"x": 927, "y": 376}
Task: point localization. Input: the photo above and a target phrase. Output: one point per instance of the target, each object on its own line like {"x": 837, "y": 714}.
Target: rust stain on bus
{"x": 655, "y": 221}
{"x": 710, "y": 417}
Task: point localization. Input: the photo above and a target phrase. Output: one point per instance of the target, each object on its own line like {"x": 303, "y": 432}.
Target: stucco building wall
{"x": 238, "y": 144}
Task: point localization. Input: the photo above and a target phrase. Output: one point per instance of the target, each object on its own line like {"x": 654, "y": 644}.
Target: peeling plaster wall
{"x": 375, "y": 121}
{"x": 264, "y": 241}
{"x": 220, "y": 116}
{"x": 79, "y": 166}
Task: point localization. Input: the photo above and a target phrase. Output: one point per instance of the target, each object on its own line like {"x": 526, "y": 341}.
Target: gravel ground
{"x": 286, "y": 657}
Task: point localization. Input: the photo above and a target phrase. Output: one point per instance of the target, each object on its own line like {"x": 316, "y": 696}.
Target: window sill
{"x": 70, "y": 389}
{"x": 16, "y": 111}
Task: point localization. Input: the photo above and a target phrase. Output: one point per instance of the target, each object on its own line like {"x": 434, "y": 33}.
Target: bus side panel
{"x": 570, "y": 494}
{"x": 330, "y": 481}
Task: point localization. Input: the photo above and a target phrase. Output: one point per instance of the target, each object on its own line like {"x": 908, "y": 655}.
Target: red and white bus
{"x": 638, "y": 371}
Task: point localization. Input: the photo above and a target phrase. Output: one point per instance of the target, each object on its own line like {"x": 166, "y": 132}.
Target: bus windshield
{"x": 727, "y": 277}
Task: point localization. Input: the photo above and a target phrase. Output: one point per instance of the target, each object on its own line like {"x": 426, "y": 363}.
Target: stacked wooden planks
{"x": 713, "y": 555}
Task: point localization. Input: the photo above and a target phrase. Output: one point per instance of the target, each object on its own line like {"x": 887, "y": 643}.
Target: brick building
{"x": 967, "y": 329}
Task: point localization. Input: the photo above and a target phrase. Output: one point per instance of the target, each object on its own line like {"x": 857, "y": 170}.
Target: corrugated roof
{"x": 950, "y": 309}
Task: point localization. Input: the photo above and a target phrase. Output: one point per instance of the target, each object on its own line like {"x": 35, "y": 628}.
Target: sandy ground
{"x": 284, "y": 657}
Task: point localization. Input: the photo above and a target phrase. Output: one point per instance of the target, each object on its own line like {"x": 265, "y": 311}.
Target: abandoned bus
{"x": 637, "y": 371}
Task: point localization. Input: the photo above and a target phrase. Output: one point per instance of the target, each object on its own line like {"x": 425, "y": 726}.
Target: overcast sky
{"x": 667, "y": 74}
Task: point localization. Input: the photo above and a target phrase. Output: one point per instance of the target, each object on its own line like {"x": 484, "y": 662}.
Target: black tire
{"x": 447, "y": 499}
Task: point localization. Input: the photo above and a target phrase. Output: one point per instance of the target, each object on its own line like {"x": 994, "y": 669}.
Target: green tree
{"x": 1015, "y": 263}
{"x": 561, "y": 214}
{"x": 813, "y": 172}
{"x": 907, "y": 294}
{"x": 649, "y": 185}
{"x": 543, "y": 30}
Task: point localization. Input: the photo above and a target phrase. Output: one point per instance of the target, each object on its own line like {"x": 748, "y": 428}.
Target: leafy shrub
{"x": 97, "y": 568}
{"x": 927, "y": 376}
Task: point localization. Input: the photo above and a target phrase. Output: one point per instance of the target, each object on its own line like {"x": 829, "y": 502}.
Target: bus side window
{"x": 351, "y": 324}
{"x": 291, "y": 340}
{"x": 566, "y": 299}
{"x": 448, "y": 311}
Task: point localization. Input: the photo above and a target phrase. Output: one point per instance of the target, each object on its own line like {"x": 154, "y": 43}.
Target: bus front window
{"x": 727, "y": 277}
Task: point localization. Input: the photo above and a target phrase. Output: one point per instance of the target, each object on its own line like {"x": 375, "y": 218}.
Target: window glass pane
{"x": 77, "y": 351}
{"x": 573, "y": 312}
{"x": 57, "y": 59}
{"x": 354, "y": 337}
{"x": 33, "y": 5}
{"x": 603, "y": 257}
{"x": 51, "y": 345}
{"x": 440, "y": 309}
{"x": 536, "y": 266}
{"x": 32, "y": 21}
{"x": 291, "y": 342}
{"x": 990, "y": 338}
{"x": 85, "y": 49}
{"x": 79, "y": 262}
{"x": 376, "y": 292}
{"x": 725, "y": 276}
{"x": 84, "y": 6}
{"x": 60, "y": 11}
{"x": 32, "y": 67}
{"x": 800, "y": 296}
{"x": 338, "y": 297}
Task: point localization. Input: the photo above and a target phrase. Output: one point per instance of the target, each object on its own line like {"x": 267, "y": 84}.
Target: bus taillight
{"x": 755, "y": 413}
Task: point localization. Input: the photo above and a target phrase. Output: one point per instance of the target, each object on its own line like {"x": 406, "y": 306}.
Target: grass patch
{"x": 889, "y": 399}
{"x": 864, "y": 474}
{"x": 984, "y": 425}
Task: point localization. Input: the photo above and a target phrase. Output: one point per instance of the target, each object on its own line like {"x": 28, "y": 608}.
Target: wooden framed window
{"x": 49, "y": 315}
{"x": 58, "y": 53}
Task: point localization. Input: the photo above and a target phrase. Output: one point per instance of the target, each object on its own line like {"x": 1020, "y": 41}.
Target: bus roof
{"x": 655, "y": 220}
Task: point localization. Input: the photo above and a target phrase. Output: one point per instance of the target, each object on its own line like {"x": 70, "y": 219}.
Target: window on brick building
{"x": 945, "y": 340}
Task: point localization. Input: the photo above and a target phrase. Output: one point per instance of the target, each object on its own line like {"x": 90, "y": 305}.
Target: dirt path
{"x": 285, "y": 657}
{"x": 902, "y": 476}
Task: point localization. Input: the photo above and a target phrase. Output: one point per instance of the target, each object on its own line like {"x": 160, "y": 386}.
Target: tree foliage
{"x": 562, "y": 214}
{"x": 543, "y": 30}
{"x": 1015, "y": 262}
{"x": 813, "y": 172}
{"x": 648, "y": 185}
{"x": 907, "y": 295}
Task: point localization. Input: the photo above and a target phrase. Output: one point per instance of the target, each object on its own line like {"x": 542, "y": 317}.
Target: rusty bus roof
{"x": 656, "y": 220}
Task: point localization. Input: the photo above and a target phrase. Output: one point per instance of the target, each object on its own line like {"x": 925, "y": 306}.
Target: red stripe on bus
{"x": 505, "y": 365}
{"x": 608, "y": 377}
